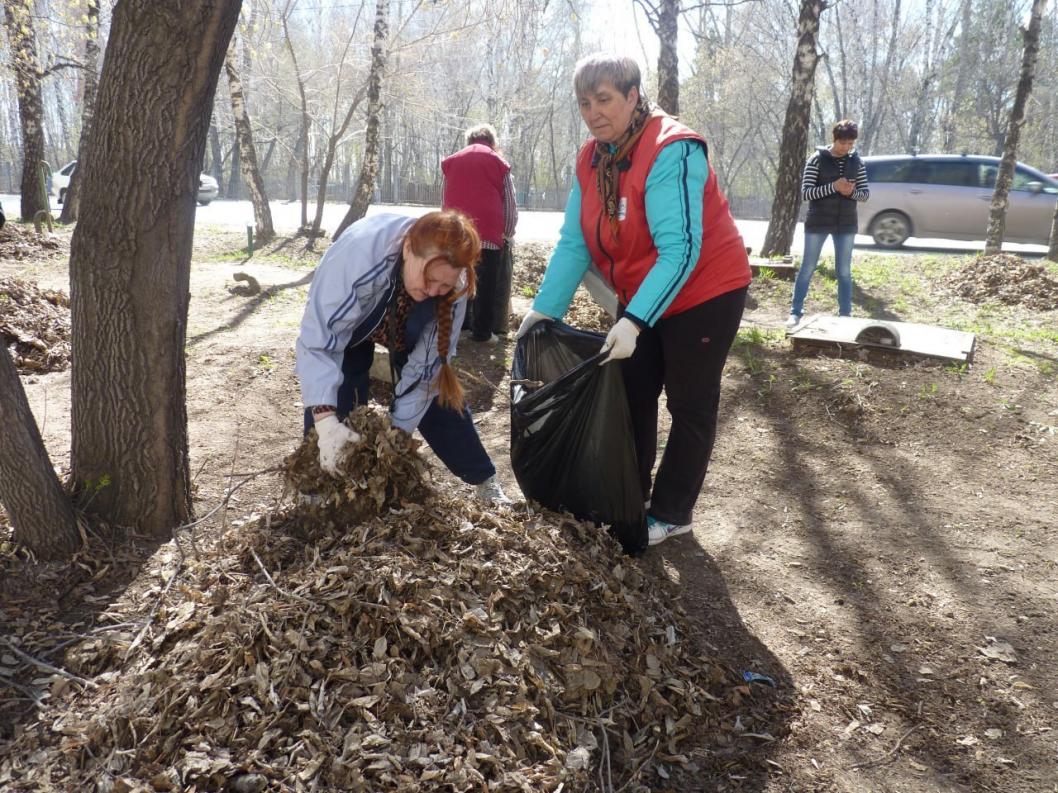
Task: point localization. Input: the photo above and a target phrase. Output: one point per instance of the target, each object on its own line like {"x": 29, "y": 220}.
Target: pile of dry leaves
{"x": 530, "y": 262}
{"x": 34, "y": 326}
{"x": 23, "y": 242}
{"x": 429, "y": 644}
{"x": 1007, "y": 278}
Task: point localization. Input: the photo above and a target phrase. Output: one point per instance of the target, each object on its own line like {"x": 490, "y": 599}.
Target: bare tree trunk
{"x": 787, "y": 202}
{"x": 332, "y": 142}
{"x": 962, "y": 76}
{"x": 997, "y": 215}
{"x": 667, "y": 28}
{"x": 216, "y": 156}
{"x": 365, "y": 183}
{"x": 234, "y": 191}
{"x": 72, "y": 199}
{"x": 18, "y": 14}
{"x": 130, "y": 258}
{"x": 251, "y": 174}
{"x": 303, "y": 137}
{"x": 328, "y": 163}
{"x": 40, "y": 512}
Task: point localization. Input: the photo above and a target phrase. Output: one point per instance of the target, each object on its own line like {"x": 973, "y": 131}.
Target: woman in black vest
{"x": 834, "y": 180}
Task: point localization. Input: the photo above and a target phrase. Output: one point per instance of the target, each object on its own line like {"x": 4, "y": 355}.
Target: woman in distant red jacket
{"x": 477, "y": 182}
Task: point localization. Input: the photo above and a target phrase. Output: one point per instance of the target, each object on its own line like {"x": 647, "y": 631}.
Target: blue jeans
{"x": 842, "y": 264}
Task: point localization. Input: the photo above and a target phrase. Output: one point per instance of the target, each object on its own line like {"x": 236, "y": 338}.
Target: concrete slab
{"x": 780, "y": 268}
{"x": 928, "y": 341}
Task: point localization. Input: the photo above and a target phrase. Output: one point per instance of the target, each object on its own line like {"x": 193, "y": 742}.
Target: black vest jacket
{"x": 835, "y": 213}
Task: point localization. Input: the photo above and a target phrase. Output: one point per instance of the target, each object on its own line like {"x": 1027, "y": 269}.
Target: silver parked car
{"x": 60, "y": 183}
{"x": 949, "y": 196}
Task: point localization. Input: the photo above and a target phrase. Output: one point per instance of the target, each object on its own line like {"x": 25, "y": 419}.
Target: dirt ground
{"x": 876, "y": 533}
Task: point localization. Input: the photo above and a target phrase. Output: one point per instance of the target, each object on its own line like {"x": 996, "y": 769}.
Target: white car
{"x": 60, "y": 182}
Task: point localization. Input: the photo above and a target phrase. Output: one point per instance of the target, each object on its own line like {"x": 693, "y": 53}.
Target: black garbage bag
{"x": 571, "y": 433}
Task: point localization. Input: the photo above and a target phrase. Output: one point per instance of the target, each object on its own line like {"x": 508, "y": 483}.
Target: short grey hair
{"x": 482, "y": 133}
{"x": 599, "y": 67}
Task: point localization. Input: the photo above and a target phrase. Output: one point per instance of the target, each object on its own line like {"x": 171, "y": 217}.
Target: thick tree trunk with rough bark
{"x": 787, "y": 202}
{"x": 997, "y": 215}
{"x": 40, "y": 512}
{"x": 18, "y": 18}
{"x": 667, "y": 29}
{"x": 131, "y": 253}
{"x": 365, "y": 183}
{"x": 72, "y": 200}
{"x": 251, "y": 174}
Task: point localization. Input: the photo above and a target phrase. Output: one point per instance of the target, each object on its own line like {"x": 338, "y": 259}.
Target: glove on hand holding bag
{"x": 621, "y": 340}
{"x": 530, "y": 319}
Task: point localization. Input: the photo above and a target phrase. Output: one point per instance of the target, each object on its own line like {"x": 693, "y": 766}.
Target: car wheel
{"x": 891, "y": 229}
{"x": 203, "y": 203}
{"x": 62, "y": 195}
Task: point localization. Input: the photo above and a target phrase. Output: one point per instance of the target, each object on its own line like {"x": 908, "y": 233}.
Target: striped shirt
{"x": 811, "y": 190}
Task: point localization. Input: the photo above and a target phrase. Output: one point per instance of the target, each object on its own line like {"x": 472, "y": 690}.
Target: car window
{"x": 68, "y": 169}
{"x": 986, "y": 175}
{"x": 1023, "y": 178}
{"x": 889, "y": 171}
{"x": 954, "y": 173}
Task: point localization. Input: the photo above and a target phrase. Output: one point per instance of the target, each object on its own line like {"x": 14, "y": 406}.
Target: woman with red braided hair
{"x": 401, "y": 282}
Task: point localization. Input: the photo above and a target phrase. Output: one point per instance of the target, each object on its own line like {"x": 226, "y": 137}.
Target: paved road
{"x": 531, "y": 226}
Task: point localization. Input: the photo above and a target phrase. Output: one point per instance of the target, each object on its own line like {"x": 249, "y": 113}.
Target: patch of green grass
{"x": 266, "y": 362}
{"x": 757, "y": 336}
{"x": 529, "y": 292}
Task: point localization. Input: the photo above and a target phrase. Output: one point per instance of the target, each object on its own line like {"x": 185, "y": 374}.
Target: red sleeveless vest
{"x": 474, "y": 185}
{"x": 624, "y": 261}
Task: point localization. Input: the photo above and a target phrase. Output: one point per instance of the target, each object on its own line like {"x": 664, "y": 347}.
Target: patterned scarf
{"x": 610, "y": 159}
{"x": 396, "y": 317}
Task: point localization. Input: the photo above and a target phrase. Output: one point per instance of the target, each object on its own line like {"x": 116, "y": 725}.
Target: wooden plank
{"x": 928, "y": 341}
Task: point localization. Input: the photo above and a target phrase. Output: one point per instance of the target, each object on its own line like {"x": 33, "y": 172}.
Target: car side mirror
{"x": 1034, "y": 187}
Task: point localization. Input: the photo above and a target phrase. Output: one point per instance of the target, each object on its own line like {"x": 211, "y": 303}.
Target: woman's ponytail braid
{"x": 450, "y": 389}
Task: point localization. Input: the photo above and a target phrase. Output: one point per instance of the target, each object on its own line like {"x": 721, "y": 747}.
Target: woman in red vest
{"x": 477, "y": 182}
{"x": 647, "y": 212}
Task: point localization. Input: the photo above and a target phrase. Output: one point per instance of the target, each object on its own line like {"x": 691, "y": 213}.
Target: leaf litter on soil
{"x": 1007, "y": 278}
{"x": 34, "y": 326}
{"x": 530, "y": 263}
{"x": 393, "y": 638}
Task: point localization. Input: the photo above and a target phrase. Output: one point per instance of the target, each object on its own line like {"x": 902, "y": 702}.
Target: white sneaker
{"x": 660, "y": 531}
{"x": 792, "y": 321}
{"x": 490, "y": 492}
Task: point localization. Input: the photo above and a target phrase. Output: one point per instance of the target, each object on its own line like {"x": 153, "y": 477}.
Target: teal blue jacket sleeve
{"x": 675, "y": 193}
{"x": 569, "y": 262}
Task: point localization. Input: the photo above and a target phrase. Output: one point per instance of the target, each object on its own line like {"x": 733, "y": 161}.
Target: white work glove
{"x": 333, "y": 438}
{"x": 621, "y": 340}
{"x": 530, "y": 319}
